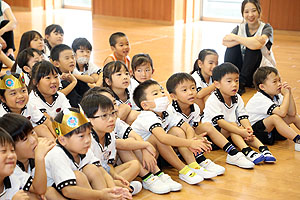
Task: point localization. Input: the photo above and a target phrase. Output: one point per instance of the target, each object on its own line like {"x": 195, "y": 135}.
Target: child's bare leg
{"x": 129, "y": 170}
{"x": 256, "y": 143}
{"x": 94, "y": 176}
{"x": 238, "y": 141}
{"x": 132, "y": 116}
{"x": 124, "y": 111}
{"x": 107, "y": 177}
{"x": 43, "y": 131}
{"x": 52, "y": 194}
{"x": 293, "y": 119}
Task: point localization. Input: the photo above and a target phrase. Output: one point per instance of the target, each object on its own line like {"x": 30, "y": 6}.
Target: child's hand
{"x": 115, "y": 193}
{"x": 151, "y": 149}
{"x": 284, "y": 90}
{"x": 63, "y": 76}
{"x": 120, "y": 181}
{"x": 149, "y": 161}
{"x": 43, "y": 147}
{"x": 245, "y": 133}
{"x": 21, "y": 195}
{"x": 286, "y": 85}
{"x": 71, "y": 77}
{"x": 200, "y": 145}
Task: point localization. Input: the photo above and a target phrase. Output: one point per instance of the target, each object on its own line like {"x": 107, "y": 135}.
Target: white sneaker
{"x": 297, "y": 147}
{"x": 239, "y": 160}
{"x": 173, "y": 185}
{"x": 155, "y": 185}
{"x": 204, "y": 173}
{"x": 255, "y": 157}
{"x": 212, "y": 167}
{"x": 191, "y": 177}
{"x": 136, "y": 187}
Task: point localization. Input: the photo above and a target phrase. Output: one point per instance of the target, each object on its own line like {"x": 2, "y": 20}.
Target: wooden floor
{"x": 173, "y": 49}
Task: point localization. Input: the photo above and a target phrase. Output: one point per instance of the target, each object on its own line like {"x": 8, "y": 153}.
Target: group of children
{"x": 72, "y": 130}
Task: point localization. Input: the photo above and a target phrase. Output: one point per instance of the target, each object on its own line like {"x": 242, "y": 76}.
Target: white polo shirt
{"x": 91, "y": 69}
{"x": 31, "y": 166}
{"x": 200, "y": 81}
{"x": 148, "y": 120}
{"x": 261, "y": 106}
{"x": 122, "y": 129}
{"x": 216, "y": 109}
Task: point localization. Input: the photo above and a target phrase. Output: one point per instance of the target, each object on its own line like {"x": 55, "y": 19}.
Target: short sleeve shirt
{"x": 216, "y": 109}
{"x": 119, "y": 101}
{"x": 122, "y": 129}
{"x": 91, "y": 69}
{"x": 261, "y": 106}
{"x": 31, "y": 166}
{"x": 200, "y": 81}
{"x": 148, "y": 120}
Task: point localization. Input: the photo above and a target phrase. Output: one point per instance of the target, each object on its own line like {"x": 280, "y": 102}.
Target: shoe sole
{"x": 160, "y": 192}
{"x": 191, "y": 182}
{"x": 270, "y": 160}
{"x": 259, "y": 160}
{"x": 176, "y": 189}
{"x": 241, "y": 166}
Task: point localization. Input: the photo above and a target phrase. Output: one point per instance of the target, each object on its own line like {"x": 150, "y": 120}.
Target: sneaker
{"x": 212, "y": 167}
{"x": 255, "y": 157}
{"x": 191, "y": 177}
{"x": 269, "y": 158}
{"x": 155, "y": 185}
{"x": 136, "y": 187}
{"x": 297, "y": 147}
{"x": 204, "y": 173}
{"x": 239, "y": 160}
{"x": 173, "y": 185}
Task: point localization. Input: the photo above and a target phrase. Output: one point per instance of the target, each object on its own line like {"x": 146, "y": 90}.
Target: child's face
{"x": 32, "y": 60}
{"x": 8, "y": 160}
{"x": 210, "y": 62}
{"x": 250, "y": 13}
{"x": 25, "y": 148}
{"x": 152, "y": 92}
{"x": 122, "y": 47}
{"x": 104, "y": 121}
{"x": 112, "y": 99}
{"x": 37, "y": 43}
{"x": 229, "y": 84}
{"x": 272, "y": 84}
{"x": 48, "y": 85}
{"x": 55, "y": 38}
{"x": 78, "y": 143}
{"x": 120, "y": 80}
{"x": 16, "y": 99}
{"x": 83, "y": 52}
{"x": 185, "y": 92}
{"x": 143, "y": 72}
{"x": 66, "y": 62}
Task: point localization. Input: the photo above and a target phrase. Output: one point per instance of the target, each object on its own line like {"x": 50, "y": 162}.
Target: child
{"x": 14, "y": 98}
{"x": 163, "y": 130}
{"x": 45, "y": 96}
{"x": 120, "y": 47}
{"x": 71, "y": 166}
{"x": 131, "y": 146}
{"x": 30, "y": 151}
{"x": 25, "y": 61}
{"x": 273, "y": 108}
{"x": 54, "y": 35}
{"x": 83, "y": 49}
{"x": 225, "y": 110}
{"x": 182, "y": 89}
{"x": 74, "y": 85}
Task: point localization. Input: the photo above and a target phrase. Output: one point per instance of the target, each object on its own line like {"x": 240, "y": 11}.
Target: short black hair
{"x": 92, "y": 103}
{"x": 55, "y": 51}
{"x": 111, "y": 68}
{"x": 55, "y": 27}
{"x": 113, "y": 38}
{"x": 139, "y": 59}
{"x": 98, "y": 90}
{"x": 80, "y": 129}
{"x": 2, "y": 91}
{"x": 139, "y": 92}
{"x": 5, "y": 138}
{"x": 16, "y": 125}
{"x": 23, "y": 58}
{"x": 176, "y": 79}
{"x": 225, "y": 68}
{"x": 81, "y": 42}
{"x": 261, "y": 74}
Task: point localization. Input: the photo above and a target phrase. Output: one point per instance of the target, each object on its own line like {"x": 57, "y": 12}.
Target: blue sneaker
{"x": 269, "y": 158}
{"x": 255, "y": 157}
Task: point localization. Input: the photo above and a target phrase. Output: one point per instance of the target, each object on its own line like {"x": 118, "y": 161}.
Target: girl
{"x": 45, "y": 83}
{"x": 14, "y": 98}
{"x": 30, "y": 151}
{"x": 202, "y": 72}
{"x": 25, "y": 61}
{"x": 249, "y": 44}
{"x": 54, "y": 35}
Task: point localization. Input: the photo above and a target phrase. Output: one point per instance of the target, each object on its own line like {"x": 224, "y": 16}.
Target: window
{"x": 84, "y": 4}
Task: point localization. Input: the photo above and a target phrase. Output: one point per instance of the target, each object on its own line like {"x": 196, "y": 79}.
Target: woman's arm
{"x": 253, "y": 43}
{"x": 12, "y": 21}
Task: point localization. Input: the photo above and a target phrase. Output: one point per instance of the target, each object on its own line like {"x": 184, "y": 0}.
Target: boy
{"x": 73, "y": 85}
{"x": 225, "y": 110}
{"x": 182, "y": 89}
{"x": 164, "y": 130}
{"x": 120, "y": 47}
{"x": 71, "y": 166}
{"x": 273, "y": 108}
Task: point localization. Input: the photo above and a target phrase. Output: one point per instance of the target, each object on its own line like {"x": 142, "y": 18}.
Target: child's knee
{"x": 135, "y": 165}
{"x": 177, "y": 131}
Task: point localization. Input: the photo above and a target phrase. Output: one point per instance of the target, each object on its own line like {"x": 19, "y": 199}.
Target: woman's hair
{"x": 111, "y": 68}
{"x": 255, "y": 2}
{"x": 23, "y": 58}
{"x": 16, "y": 125}
{"x": 26, "y": 38}
{"x": 5, "y": 138}
{"x": 39, "y": 71}
{"x": 202, "y": 55}
{"x": 2, "y": 91}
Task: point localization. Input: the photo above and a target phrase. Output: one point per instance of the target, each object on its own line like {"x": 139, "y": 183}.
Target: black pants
{"x": 8, "y": 37}
{"x": 247, "y": 67}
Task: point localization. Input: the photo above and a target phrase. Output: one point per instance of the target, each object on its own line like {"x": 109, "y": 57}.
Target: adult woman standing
{"x": 249, "y": 44}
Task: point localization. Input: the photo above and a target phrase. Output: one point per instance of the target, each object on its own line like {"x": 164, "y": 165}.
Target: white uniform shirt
{"x": 31, "y": 167}
{"x": 148, "y": 120}
{"x": 216, "y": 109}
{"x": 193, "y": 119}
{"x": 92, "y": 69}
{"x": 200, "y": 81}
{"x": 261, "y": 106}
{"x": 60, "y": 166}
{"x": 119, "y": 101}
{"x": 60, "y": 103}
{"x": 122, "y": 129}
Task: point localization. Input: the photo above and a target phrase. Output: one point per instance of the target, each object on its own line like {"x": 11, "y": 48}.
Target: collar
{"x": 107, "y": 138}
{"x": 7, "y": 109}
{"x": 31, "y": 164}
{"x": 43, "y": 98}
{"x": 178, "y": 109}
{"x": 82, "y": 156}
{"x": 201, "y": 76}
{"x": 276, "y": 97}
{"x": 164, "y": 113}
{"x": 234, "y": 99}
{"x": 136, "y": 79}
{"x": 117, "y": 97}
{"x": 6, "y": 182}
{"x": 85, "y": 67}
